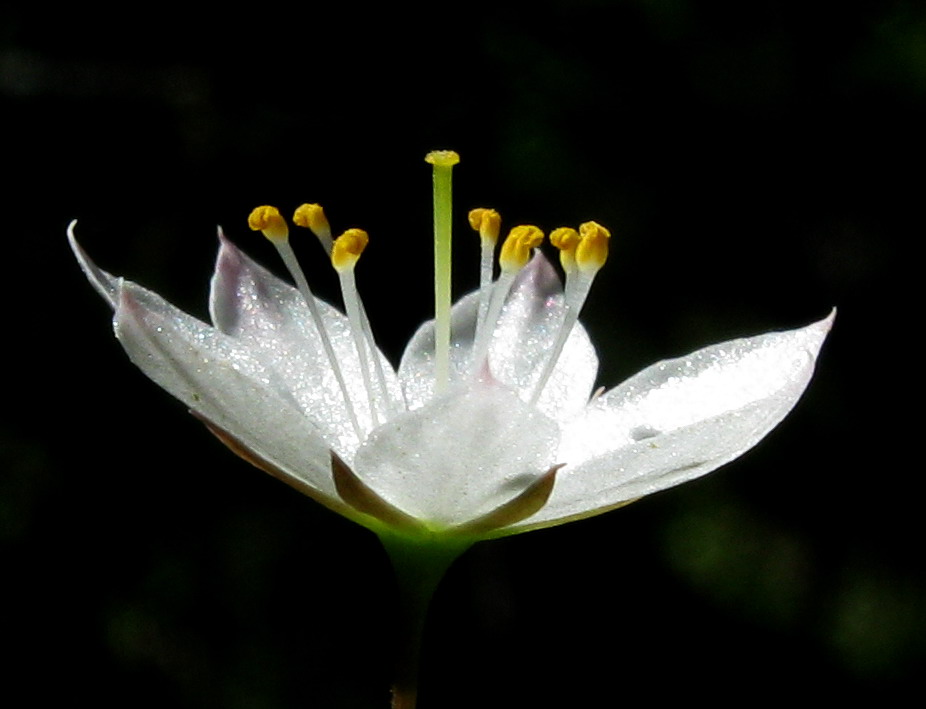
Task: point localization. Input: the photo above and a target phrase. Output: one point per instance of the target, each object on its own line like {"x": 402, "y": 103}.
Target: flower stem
{"x": 443, "y": 162}
{"x": 419, "y": 567}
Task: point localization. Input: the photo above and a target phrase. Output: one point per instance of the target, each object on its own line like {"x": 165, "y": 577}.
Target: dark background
{"x": 758, "y": 164}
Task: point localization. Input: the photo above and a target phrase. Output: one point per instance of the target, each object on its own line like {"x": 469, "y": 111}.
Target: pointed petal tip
{"x": 362, "y": 498}
{"x": 824, "y": 324}
{"x": 527, "y": 503}
{"x": 540, "y": 276}
{"x": 819, "y": 330}
{"x": 72, "y": 237}
{"x": 230, "y": 257}
{"x": 223, "y": 288}
{"x": 79, "y": 253}
{"x": 107, "y": 285}
{"x": 224, "y": 242}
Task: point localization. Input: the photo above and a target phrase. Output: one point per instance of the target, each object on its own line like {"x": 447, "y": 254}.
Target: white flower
{"x": 510, "y": 443}
{"x": 259, "y": 377}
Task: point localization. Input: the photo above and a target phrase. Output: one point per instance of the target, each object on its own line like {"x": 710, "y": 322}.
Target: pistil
{"x": 443, "y": 162}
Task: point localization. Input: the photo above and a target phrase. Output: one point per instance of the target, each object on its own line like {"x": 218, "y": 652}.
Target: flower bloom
{"x": 495, "y": 433}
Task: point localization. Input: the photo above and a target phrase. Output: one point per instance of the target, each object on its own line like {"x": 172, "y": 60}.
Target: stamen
{"x": 487, "y": 222}
{"x": 347, "y": 249}
{"x": 592, "y": 251}
{"x": 516, "y": 252}
{"x": 269, "y": 221}
{"x": 566, "y": 239}
{"x": 517, "y": 249}
{"x": 344, "y": 256}
{"x": 443, "y": 162}
{"x": 582, "y": 256}
{"x": 312, "y": 216}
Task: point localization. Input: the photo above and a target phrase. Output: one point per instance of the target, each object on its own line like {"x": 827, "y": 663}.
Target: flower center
{"x": 582, "y": 253}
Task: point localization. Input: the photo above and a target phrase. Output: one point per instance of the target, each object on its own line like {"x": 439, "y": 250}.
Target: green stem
{"x": 419, "y": 567}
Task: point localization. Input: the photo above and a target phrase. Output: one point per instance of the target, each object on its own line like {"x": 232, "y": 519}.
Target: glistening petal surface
{"x": 269, "y": 317}
{"x": 219, "y": 380}
{"x": 459, "y": 456}
{"x": 680, "y": 419}
{"x": 526, "y": 332}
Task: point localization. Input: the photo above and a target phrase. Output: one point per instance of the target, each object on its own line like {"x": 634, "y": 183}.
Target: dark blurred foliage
{"x": 758, "y": 163}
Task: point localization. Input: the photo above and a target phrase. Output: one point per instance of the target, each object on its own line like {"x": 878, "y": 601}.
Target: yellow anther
{"x": 592, "y": 251}
{"x": 269, "y": 221}
{"x": 566, "y": 239}
{"x": 516, "y": 251}
{"x": 347, "y": 249}
{"x": 442, "y": 158}
{"x": 312, "y": 216}
{"x": 487, "y": 222}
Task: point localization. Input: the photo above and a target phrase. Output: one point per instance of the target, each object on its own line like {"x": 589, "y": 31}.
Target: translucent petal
{"x": 680, "y": 419}
{"x": 218, "y": 379}
{"x": 459, "y": 456}
{"x": 526, "y": 331}
{"x": 416, "y": 370}
{"x": 271, "y": 319}
{"x": 521, "y": 341}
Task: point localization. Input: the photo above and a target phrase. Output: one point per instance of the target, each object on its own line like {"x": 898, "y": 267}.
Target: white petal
{"x": 526, "y": 330}
{"x": 416, "y": 370}
{"x": 218, "y": 379}
{"x": 270, "y": 317}
{"x": 680, "y": 419}
{"x": 460, "y": 456}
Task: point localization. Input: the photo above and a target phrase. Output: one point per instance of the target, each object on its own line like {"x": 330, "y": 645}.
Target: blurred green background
{"x": 758, "y": 164}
